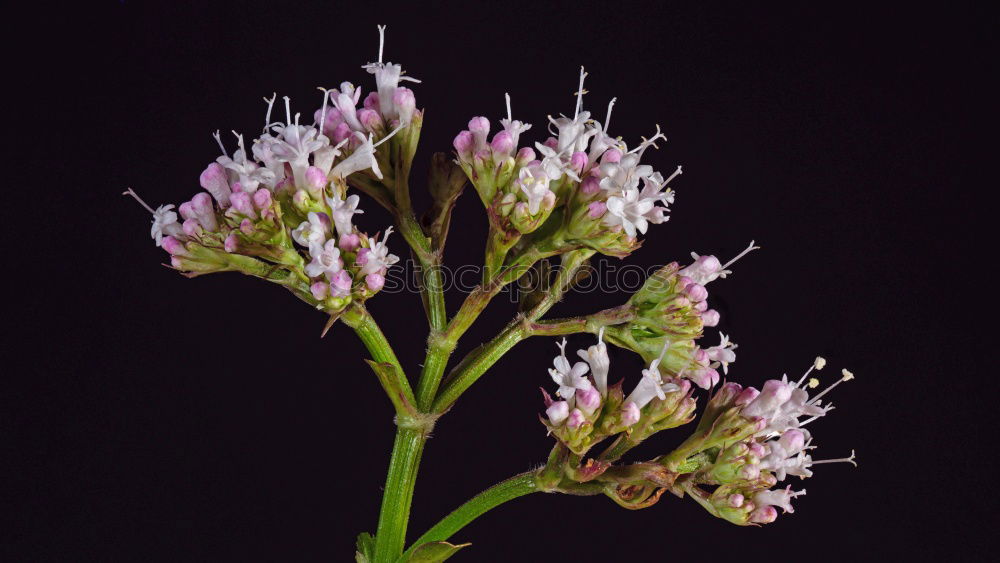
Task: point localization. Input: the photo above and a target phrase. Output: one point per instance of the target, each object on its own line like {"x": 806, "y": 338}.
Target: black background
{"x": 159, "y": 418}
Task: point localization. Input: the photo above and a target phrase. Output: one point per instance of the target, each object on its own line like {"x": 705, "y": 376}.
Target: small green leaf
{"x": 366, "y": 546}
{"x": 435, "y": 552}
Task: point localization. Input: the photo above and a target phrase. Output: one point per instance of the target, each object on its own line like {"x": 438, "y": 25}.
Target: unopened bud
{"x": 340, "y": 285}
{"x": 588, "y": 400}
{"x": 710, "y": 317}
{"x": 173, "y": 246}
{"x": 319, "y": 290}
{"x": 557, "y": 412}
{"x": 375, "y": 281}
{"x": 502, "y": 144}
{"x": 576, "y": 419}
{"x": 525, "y": 155}
{"x": 349, "y": 242}
{"x": 630, "y": 413}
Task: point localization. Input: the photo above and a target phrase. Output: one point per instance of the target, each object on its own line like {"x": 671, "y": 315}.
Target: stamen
{"x": 847, "y": 376}
{"x": 646, "y": 143}
{"x": 676, "y": 173}
{"x": 288, "y": 110}
{"x": 270, "y": 105}
{"x": 748, "y": 250}
{"x": 607, "y": 118}
{"x": 218, "y": 139}
{"x": 132, "y": 193}
{"x": 322, "y": 115}
{"x": 600, "y": 335}
{"x": 381, "y": 41}
{"x": 849, "y": 459}
{"x": 297, "y": 119}
{"x": 239, "y": 143}
{"x": 819, "y": 362}
{"x": 813, "y": 383}
{"x": 579, "y": 94}
{"x": 507, "y": 98}
{"x": 386, "y": 138}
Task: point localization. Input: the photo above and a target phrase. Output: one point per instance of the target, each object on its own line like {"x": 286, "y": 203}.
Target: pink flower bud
{"x": 735, "y": 500}
{"x": 480, "y": 128}
{"x": 262, "y": 198}
{"x": 557, "y": 412}
{"x": 371, "y": 120}
{"x": 246, "y": 227}
{"x": 315, "y": 180}
{"x": 611, "y": 155}
{"x": 237, "y": 187}
{"x": 596, "y": 209}
{"x": 576, "y": 419}
{"x": 192, "y": 228}
{"x": 774, "y": 394}
{"x": 696, "y": 292}
{"x": 463, "y": 145}
{"x": 340, "y": 285}
{"x": 349, "y": 242}
{"x": 706, "y": 378}
{"x": 241, "y": 203}
{"x": 502, "y": 144}
{"x": 578, "y": 161}
{"x": 710, "y": 317}
{"x": 701, "y": 306}
{"x": 375, "y": 281}
{"x": 630, "y": 413}
{"x": 757, "y": 449}
{"x": 747, "y": 396}
{"x": 683, "y": 282}
{"x": 186, "y": 210}
{"x": 173, "y": 246}
{"x": 201, "y": 204}
{"x": 749, "y": 472}
{"x": 371, "y": 101}
{"x": 319, "y": 290}
{"x": 525, "y": 155}
{"x": 763, "y": 515}
{"x": 341, "y": 132}
{"x": 591, "y": 185}
{"x": 176, "y": 262}
{"x": 405, "y": 103}
{"x": 588, "y": 400}
{"x": 231, "y": 244}
{"x": 214, "y": 180}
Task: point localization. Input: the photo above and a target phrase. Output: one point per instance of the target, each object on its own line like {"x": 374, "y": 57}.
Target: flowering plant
{"x": 282, "y": 208}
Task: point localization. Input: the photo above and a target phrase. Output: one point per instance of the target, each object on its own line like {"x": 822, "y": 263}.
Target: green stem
{"x": 358, "y": 318}
{"x": 397, "y": 496}
{"x": 516, "y": 486}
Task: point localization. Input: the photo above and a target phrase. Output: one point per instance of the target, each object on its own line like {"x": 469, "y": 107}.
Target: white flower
{"x": 515, "y": 128}
{"x": 325, "y": 260}
{"x": 387, "y": 78}
{"x": 651, "y": 385}
{"x": 707, "y": 268}
{"x": 620, "y": 177}
{"x": 296, "y": 145}
{"x": 535, "y": 184}
{"x": 723, "y": 353}
{"x": 782, "y": 498}
{"x": 597, "y": 357}
{"x": 346, "y": 101}
{"x": 629, "y": 211}
{"x": 314, "y": 231}
{"x": 568, "y": 378}
{"x": 249, "y": 175}
{"x": 343, "y": 210}
{"x": 362, "y": 158}
{"x": 377, "y": 259}
{"x": 165, "y": 223}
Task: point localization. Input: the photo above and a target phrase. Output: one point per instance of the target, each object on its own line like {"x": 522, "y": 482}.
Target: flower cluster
{"x": 755, "y": 439}
{"x": 746, "y": 442}
{"x": 671, "y": 313}
{"x": 595, "y": 189}
{"x": 589, "y": 410}
{"x": 281, "y": 209}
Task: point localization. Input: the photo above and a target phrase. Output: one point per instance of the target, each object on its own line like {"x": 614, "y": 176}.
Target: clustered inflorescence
{"x": 281, "y": 208}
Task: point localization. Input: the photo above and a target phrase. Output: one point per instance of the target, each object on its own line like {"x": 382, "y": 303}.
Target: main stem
{"x": 516, "y": 486}
{"x": 397, "y": 497}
